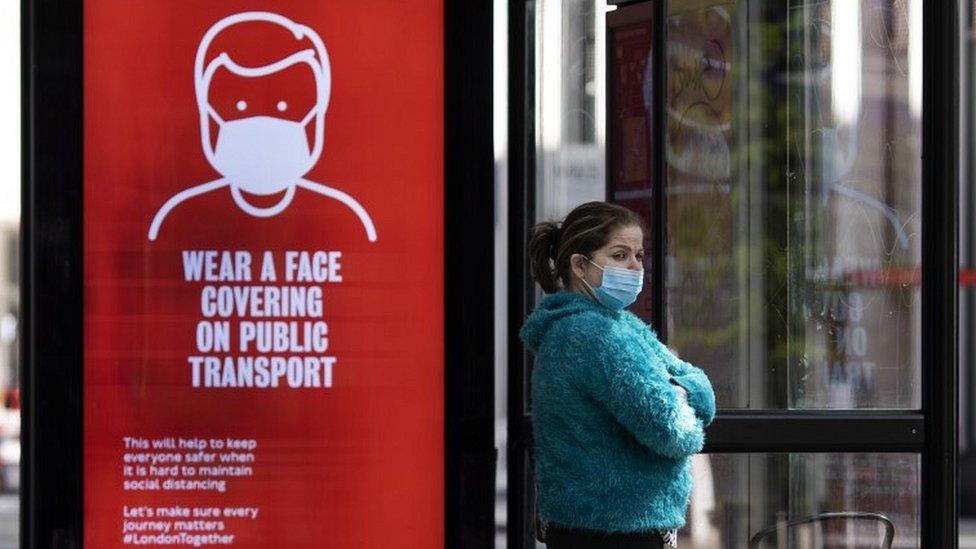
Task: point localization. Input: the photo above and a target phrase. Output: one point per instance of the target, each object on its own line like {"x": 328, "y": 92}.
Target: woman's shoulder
{"x": 579, "y": 312}
{"x": 584, "y": 324}
{"x": 593, "y": 332}
{"x": 580, "y": 346}
{"x": 636, "y": 322}
{"x": 560, "y": 310}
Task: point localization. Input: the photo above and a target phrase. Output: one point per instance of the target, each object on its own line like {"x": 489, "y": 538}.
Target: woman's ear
{"x": 576, "y": 262}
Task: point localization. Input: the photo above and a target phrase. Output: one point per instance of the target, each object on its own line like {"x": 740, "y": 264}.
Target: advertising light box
{"x": 263, "y": 287}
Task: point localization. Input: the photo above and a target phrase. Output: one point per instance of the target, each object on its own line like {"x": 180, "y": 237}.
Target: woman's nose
{"x": 635, "y": 265}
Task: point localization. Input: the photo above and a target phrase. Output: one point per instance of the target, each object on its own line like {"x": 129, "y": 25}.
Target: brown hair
{"x": 586, "y": 229}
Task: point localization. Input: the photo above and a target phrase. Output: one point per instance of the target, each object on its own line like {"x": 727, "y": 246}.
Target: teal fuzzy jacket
{"x": 613, "y": 436}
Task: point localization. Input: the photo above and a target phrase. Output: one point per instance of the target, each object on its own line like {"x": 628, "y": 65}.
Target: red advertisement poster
{"x": 263, "y": 274}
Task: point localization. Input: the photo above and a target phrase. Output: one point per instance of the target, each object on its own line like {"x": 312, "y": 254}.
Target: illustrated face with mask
{"x": 614, "y": 274}
{"x": 263, "y": 154}
{"x": 268, "y": 152}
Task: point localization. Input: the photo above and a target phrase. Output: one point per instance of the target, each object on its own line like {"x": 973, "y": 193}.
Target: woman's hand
{"x": 681, "y": 390}
{"x": 698, "y": 391}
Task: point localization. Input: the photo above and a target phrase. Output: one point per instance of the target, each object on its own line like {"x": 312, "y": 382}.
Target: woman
{"x": 616, "y": 415}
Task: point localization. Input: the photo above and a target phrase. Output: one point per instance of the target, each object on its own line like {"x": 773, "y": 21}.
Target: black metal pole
{"x": 521, "y": 162}
{"x": 940, "y": 132}
{"x": 468, "y": 276}
{"x": 51, "y": 287}
{"x": 660, "y": 171}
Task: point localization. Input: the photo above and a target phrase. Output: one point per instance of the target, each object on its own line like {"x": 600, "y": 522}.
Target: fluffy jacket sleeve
{"x": 637, "y": 391}
{"x": 701, "y": 396}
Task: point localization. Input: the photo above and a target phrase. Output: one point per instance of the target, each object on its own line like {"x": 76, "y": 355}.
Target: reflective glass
{"x": 570, "y": 88}
{"x": 738, "y": 496}
{"x": 10, "y": 306}
{"x": 792, "y": 142}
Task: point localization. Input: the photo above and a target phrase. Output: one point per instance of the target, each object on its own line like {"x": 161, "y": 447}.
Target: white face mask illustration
{"x": 262, "y": 154}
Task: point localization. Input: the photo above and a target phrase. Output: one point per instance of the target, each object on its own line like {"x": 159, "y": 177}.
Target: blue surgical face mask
{"x": 619, "y": 288}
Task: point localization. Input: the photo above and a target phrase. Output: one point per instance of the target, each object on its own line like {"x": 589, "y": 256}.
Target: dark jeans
{"x": 561, "y": 537}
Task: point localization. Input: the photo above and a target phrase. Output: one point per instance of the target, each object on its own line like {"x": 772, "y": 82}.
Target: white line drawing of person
{"x": 262, "y": 155}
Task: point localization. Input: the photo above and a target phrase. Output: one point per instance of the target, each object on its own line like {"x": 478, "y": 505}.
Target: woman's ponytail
{"x": 543, "y": 249}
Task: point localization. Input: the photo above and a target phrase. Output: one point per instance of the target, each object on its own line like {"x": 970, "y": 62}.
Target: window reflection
{"x": 631, "y": 149}
{"x": 704, "y": 290}
{"x": 792, "y": 145}
{"x": 858, "y": 298}
{"x": 571, "y": 98}
{"x": 736, "y": 496}
{"x": 10, "y": 306}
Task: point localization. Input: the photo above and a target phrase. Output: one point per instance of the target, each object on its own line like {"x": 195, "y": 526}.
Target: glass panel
{"x": 572, "y": 122}
{"x": 736, "y": 496}
{"x": 631, "y": 176}
{"x": 10, "y": 178}
{"x": 793, "y": 197}
{"x": 571, "y": 97}
{"x": 706, "y": 287}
